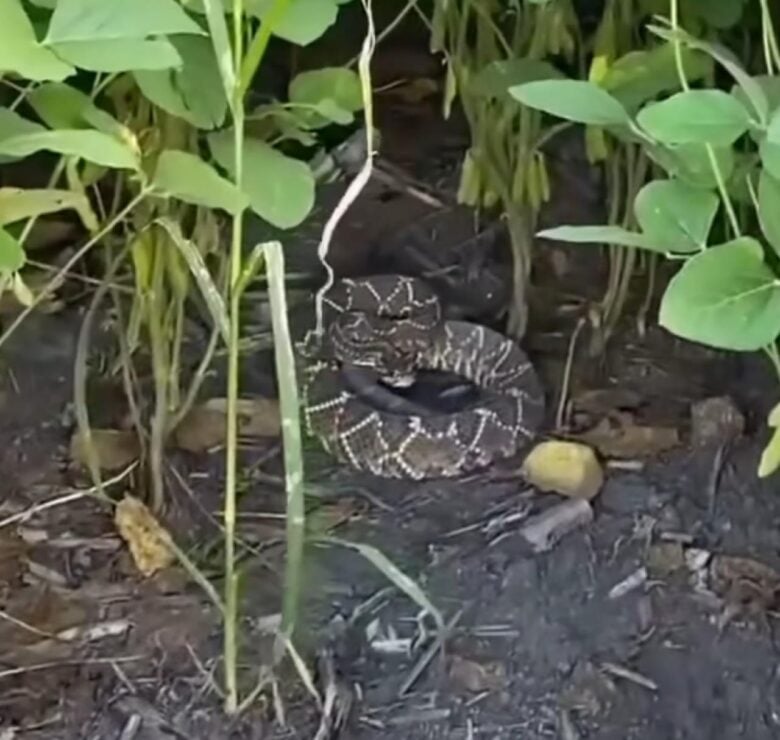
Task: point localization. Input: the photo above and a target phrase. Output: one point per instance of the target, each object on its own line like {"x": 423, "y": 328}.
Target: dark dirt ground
{"x": 541, "y": 648}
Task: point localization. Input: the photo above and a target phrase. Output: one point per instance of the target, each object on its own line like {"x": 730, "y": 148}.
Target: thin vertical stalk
{"x": 230, "y": 647}
{"x": 289, "y": 408}
{"x": 677, "y": 47}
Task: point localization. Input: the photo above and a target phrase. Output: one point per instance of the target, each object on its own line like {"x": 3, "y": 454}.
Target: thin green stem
{"x": 160, "y": 367}
{"x": 770, "y": 37}
{"x": 677, "y": 46}
{"x": 257, "y": 46}
{"x": 230, "y": 647}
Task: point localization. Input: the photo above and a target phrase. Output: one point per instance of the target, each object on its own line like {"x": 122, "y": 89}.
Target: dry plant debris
{"x": 619, "y": 436}
{"x": 204, "y": 427}
{"x": 144, "y": 535}
{"x": 114, "y": 448}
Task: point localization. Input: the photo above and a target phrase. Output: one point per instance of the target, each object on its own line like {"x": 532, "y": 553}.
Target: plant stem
{"x": 230, "y": 648}
{"x": 257, "y": 47}
{"x": 770, "y": 39}
{"x": 289, "y": 408}
{"x": 160, "y": 366}
{"x": 676, "y": 45}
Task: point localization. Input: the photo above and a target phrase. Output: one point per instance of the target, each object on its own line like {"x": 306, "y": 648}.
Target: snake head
{"x": 356, "y": 340}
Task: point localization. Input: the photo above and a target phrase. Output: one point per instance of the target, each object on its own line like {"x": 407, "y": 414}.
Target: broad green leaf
{"x": 61, "y": 106}
{"x": 573, "y": 100}
{"x": 20, "y": 51}
{"x": 696, "y": 117}
{"x": 12, "y": 124}
{"x": 726, "y": 297}
{"x": 17, "y": 204}
{"x": 195, "y": 92}
{"x": 753, "y": 91}
{"x": 331, "y": 90}
{"x": 280, "y": 189}
{"x": 302, "y": 22}
{"x": 691, "y": 163}
{"x": 643, "y": 75}
{"x": 94, "y": 20}
{"x": 495, "y": 79}
{"x": 770, "y": 157}
{"x": 187, "y": 177}
{"x": 94, "y": 146}
{"x": 769, "y": 208}
{"x": 768, "y": 84}
{"x": 327, "y": 111}
{"x": 770, "y": 457}
{"x": 119, "y": 55}
{"x": 600, "y": 235}
{"x": 676, "y": 216}
{"x": 773, "y": 129}
{"x": 12, "y": 256}
{"x": 719, "y": 14}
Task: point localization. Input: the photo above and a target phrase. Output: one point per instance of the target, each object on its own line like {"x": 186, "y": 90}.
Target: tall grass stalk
{"x": 236, "y": 72}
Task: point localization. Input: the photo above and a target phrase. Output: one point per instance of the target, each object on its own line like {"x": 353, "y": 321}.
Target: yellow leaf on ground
{"x": 144, "y": 535}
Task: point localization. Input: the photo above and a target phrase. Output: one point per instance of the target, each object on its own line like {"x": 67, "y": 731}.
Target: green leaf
{"x": 187, "y": 177}
{"x": 721, "y": 14}
{"x": 691, "y": 163}
{"x": 770, "y": 87}
{"x": 334, "y": 91}
{"x": 93, "y": 20}
{"x": 302, "y": 22}
{"x": 696, "y": 117}
{"x": 676, "y": 216}
{"x": 643, "y": 75}
{"x": 572, "y": 100}
{"x": 769, "y": 208}
{"x": 20, "y": 51}
{"x": 770, "y": 157}
{"x": 770, "y": 457}
{"x": 119, "y": 55}
{"x": 600, "y": 235}
{"x": 280, "y": 189}
{"x": 12, "y": 256}
{"x": 773, "y": 128}
{"x": 61, "y": 106}
{"x": 195, "y": 92}
{"x": 726, "y": 297}
{"x": 495, "y": 79}
{"x": 94, "y": 146}
{"x": 727, "y": 59}
{"x": 12, "y": 124}
{"x": 17, "y": 204}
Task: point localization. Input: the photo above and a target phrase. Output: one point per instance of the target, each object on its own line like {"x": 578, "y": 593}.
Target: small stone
{"x": 568, "y": 468}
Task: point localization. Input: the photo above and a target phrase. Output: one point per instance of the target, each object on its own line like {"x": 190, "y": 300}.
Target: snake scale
{"x": 393, "y": 325}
